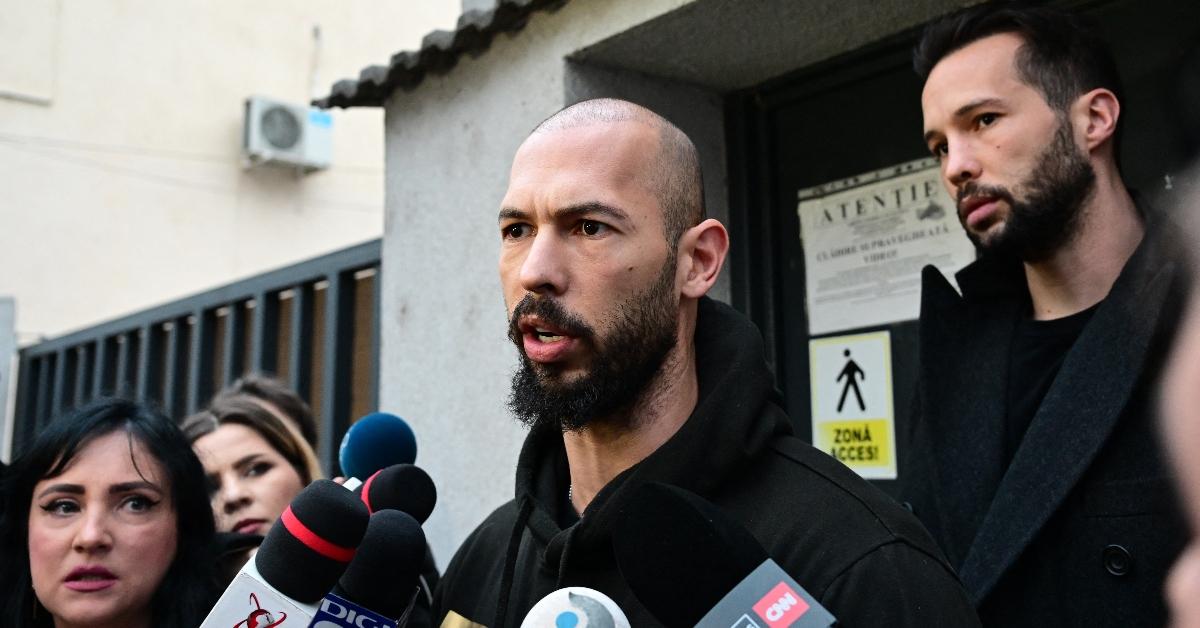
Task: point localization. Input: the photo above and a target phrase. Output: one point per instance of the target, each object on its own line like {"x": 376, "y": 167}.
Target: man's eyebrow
{"x": 570, "y": 211}
{"x": 989, "y": 101}
{"x": 590, "y": 208}
{"x": 512, "y": 213}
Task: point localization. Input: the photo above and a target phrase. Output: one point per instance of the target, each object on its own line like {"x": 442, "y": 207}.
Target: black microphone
{"x": 381, "y": 582}
{"x": 299, "y": 561}
{"x": 402, "y": 487}
{"x": 690, "y": 564}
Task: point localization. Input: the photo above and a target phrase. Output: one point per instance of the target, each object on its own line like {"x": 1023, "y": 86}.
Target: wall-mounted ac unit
{"x": 287, "y": 134}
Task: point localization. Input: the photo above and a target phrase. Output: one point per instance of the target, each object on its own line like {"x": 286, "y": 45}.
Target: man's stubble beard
{"x": 1050, "y": 213}
{"x": 622, "y": 365}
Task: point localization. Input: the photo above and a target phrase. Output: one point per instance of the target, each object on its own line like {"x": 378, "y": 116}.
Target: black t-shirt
{"x": 1037, "y": 352}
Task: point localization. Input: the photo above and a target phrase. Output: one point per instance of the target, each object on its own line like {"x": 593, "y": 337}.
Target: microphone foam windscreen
{"x": 383, "y": 575}
{"x": 376, "y": 441}
{"x": 680, "y": 554}
{"x": 402, "y": 487}
{"x": 308, "y": 548}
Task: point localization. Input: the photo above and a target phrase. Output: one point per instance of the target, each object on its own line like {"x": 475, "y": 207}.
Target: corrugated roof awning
{"x": 439, "y": 53}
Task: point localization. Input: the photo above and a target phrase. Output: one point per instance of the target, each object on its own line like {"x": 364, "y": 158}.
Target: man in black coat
{"x": 1032, "y": 455}
{"x": 629, "y": 374}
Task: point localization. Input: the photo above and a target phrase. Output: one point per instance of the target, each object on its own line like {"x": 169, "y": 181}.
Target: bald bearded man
{"x": 629, "y": 374}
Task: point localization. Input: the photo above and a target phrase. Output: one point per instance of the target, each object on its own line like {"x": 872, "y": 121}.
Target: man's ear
{"x": 1096, "y": 114}
{"x": 702, "y": 251}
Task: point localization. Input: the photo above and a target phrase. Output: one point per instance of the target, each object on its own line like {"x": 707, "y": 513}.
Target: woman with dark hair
{"x": 106, "y": 523}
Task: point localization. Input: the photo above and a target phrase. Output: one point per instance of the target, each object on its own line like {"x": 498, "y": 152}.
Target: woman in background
{"x": 255, "y": 462}
{"x": 106, "y": 524}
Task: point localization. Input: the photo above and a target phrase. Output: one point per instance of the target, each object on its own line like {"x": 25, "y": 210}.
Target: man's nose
{"x": 962, "y": 163}
{"x": 544, "y": 269}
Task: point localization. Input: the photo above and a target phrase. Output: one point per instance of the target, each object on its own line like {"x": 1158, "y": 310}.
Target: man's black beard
{"x": 1049, "y": 215}
{"x": 623, "y": 363}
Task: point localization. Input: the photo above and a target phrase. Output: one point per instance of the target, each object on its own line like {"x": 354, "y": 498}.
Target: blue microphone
{"x": 374, "y": 442}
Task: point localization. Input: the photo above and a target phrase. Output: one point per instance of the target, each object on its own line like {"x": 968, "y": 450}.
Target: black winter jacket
{"x": 1083, "y": 524}
{"x": 859, "y": 553}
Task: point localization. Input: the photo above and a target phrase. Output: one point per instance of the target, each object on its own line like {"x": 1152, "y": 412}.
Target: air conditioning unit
{"x": 286, "y": 134}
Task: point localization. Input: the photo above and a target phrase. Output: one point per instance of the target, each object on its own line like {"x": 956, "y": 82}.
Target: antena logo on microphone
{"x": 597, "y": 616}
{"x": 575, "y": 607}
{"x": 260, "y": 618}
{"x": 781, "y": 606}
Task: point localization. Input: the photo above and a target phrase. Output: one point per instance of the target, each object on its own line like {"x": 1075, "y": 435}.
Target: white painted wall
{"x": 121, "y": 184}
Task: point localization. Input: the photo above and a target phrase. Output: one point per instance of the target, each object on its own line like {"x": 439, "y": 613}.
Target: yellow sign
{"x": 852, "y": 415}
{"x": 866, "y": 443}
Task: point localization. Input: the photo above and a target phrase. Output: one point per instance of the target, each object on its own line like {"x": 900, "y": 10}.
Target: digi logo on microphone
{"x": 337, "y": 612}
{"x": 781, "y": 606}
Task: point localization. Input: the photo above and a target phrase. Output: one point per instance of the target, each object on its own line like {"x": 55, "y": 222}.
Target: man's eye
{"x": 515, "y": 230}
{"x": 591, "y": 227}
{"x": 940, "y": 150}
{"x": 987, "y": 119}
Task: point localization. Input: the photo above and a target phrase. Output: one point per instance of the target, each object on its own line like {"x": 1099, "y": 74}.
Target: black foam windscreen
{"x": 402, "y": 487}
{"x": 383, "y": 575}
{"x": 309, "y": 547}
{"x": 680, "y": 554}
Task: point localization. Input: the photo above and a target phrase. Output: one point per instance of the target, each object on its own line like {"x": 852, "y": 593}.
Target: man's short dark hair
{"x": 277, "y": 394}
{"x": 675, "y": 177}
{"x": 1063, "y": 55}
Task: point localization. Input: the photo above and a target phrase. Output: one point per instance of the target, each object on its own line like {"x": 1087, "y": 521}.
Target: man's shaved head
{"x": 673, "y": 174}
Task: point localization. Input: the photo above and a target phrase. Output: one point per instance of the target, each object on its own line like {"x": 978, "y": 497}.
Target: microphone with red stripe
{"x": 300, "y": 560}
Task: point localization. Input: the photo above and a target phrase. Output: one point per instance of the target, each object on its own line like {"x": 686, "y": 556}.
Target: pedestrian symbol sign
{"x": 852, "y": 415}
{"x": 851, "y": 372}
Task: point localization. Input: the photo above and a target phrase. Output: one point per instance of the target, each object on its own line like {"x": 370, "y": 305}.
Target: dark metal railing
{"x": 314, "y": 324}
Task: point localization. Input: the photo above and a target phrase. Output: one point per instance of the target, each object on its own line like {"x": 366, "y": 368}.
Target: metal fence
{"x": 314, "y": 324}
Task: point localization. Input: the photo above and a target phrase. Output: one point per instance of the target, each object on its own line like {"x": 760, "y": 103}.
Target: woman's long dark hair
{"x": 188, "y": 589}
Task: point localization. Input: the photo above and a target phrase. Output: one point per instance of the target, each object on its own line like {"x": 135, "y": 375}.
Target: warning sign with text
{"x": 866, "y": 239}
{"x": 852, "y": 415}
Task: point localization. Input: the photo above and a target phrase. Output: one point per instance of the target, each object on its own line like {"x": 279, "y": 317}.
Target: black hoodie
{"x": 859, "y": 553}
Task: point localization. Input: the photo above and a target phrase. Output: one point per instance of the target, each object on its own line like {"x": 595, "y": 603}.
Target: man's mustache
{"x": 974, "y": 189}
{"x": 550, "y": 311}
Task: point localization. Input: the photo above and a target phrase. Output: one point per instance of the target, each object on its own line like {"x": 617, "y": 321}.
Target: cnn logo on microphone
{"x": 781, "y": 606}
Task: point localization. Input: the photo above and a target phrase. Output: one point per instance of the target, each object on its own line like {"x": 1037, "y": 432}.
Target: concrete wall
{"x": 445, "y": 361}
{"x": 120, "y": 136}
